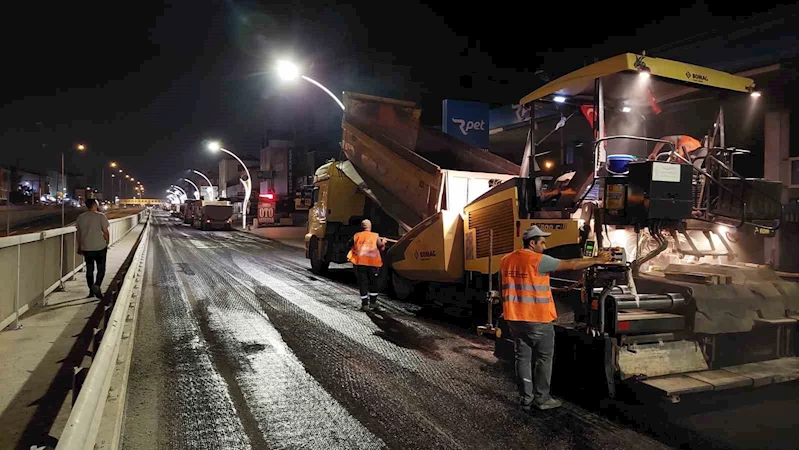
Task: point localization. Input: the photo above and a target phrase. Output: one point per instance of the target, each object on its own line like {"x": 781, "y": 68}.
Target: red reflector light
{"x": 623, "y": 326}
{"x": 268, "y": 196}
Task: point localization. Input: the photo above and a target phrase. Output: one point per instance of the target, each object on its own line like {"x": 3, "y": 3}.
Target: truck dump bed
{"x": 398, "y": 163}
{"x": 217, "y": 213}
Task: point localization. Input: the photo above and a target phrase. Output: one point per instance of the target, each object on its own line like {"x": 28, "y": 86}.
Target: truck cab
{"x": 337, "y": 208}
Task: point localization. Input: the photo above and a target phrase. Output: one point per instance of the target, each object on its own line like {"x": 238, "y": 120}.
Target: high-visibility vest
{"x": 364, "y": 251}
{"x": 526, "y": 295}
{"x": 687, "y": 144}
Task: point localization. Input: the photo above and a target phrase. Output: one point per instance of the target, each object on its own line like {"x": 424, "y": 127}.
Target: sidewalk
{"x": 291, "y": 236}
{"x": 36, "y": 361}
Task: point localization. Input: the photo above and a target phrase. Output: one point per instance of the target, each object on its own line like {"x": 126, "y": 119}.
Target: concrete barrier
{"x": 85, "y": 420}
{"x": 33, "y": 265}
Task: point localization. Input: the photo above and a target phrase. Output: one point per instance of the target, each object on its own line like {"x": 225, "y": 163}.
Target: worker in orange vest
{"x": 683, "y": 145}
{"x": 529, "y": 309}
{"x": 364, "y": 255}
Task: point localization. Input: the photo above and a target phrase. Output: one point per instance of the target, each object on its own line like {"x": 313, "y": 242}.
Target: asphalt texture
{"x": 240, "y": 346}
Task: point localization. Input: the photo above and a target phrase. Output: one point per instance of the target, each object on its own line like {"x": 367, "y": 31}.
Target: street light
{"x": 182, "y": 195}
{"x": 214, "y": 146}
{"x": 210, "y": 185}
{"x": 289, "y": 71}
{"x": 196, "y": 189}
{"x": 179, "y": 195}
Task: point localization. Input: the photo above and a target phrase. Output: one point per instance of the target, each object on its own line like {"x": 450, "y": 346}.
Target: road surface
{"x": 239, "y": 346}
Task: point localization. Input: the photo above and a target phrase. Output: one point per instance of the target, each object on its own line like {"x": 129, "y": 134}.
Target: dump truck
{"x": 190, "y": 208}
{"x": 677, "y": 312}
{"x": 213, "y": 215}
{"x": 397, "y": 174}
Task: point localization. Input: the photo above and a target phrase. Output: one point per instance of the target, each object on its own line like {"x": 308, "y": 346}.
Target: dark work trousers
{"x": 535, "y": 347}
{"x": 367, "y": 283}
{"x": 98, "y": 257}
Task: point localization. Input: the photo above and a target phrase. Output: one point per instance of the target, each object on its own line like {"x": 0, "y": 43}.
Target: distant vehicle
{"x": 213, "y": 215}
{"x": 190, "y": 210}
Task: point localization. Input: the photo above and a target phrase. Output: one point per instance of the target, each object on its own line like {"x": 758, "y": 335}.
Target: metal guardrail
{"x": 84, "y": 421}
{"x": 35, "y": 264}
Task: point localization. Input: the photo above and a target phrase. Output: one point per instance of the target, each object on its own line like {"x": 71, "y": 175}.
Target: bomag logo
{"x": 696, "y": 77}
{"x": 551, "y": 226}
{"x": 424, "y": 254}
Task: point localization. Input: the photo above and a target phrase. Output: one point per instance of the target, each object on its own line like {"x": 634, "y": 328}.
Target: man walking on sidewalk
{"x": 365, "y": 257}
{"x": 93, "y": 240}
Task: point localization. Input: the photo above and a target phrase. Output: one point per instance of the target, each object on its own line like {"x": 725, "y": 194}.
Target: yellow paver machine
{"x": 677, "y": 315}
{"x": 652, "y": 178}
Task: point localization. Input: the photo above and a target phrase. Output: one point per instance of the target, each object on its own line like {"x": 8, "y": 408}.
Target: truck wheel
{"x": 317, "y": 265}
{"x": 403, "y": 287}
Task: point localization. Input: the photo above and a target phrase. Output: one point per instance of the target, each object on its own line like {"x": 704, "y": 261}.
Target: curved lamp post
{"x": 289, "y": 71}
{"x": 210, "y": 185}
{"x": 214, "y": 146}
{"x": 196, "y": 189}
{"x": 179, "y": 193}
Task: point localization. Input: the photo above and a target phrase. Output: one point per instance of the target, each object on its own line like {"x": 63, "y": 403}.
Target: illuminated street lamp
{"x": 289, "y": 71}
{"x": 178, "y": 194}
{"x": 214, "y": 147}
{"x": 179, "y": 189}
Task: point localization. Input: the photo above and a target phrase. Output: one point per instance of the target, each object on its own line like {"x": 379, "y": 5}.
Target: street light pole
{"x": 320, "y": 86}
{"x": 247, "y": 183}
{"x": 196, "y": 189}
{"x": 180, "y": 189}
{"x": 210, "y": 185}
{"x": 64, "y": 182}
{"x": 289, "y": 71}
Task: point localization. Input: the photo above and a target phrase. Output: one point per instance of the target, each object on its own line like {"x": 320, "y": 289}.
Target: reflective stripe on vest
{"x": 364, "y": 250}
{"x": 526, "y": 293}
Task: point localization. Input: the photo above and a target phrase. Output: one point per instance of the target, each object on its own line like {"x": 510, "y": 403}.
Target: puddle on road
{"x": 252, "y": 347}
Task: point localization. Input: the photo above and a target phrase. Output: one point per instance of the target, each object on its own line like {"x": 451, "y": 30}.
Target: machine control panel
{"x": 590, "y": 249}
{"x": 618, "y": 255}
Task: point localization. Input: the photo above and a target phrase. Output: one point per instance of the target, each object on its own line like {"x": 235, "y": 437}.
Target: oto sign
{"x": 467, "y": 121}
{"x": 266, "y": 212}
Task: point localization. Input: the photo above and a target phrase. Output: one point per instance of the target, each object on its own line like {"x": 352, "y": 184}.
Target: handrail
{"x": 12, "y": 241}
{"x": 82, "y": 426}
{"x": 743, "y": 186}
{"x": 703, "y": 172}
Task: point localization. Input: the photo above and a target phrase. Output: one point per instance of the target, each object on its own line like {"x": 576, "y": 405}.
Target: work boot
{"x": 97, "y": 291}
{"x": 373, "y": 306}
{"x": 365, "y": 307}
{"x": 549, "y": 404}
{"x": 526, "y": 407}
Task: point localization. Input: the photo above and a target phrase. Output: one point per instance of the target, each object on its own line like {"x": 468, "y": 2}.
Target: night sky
{"x": 147, "y": 83}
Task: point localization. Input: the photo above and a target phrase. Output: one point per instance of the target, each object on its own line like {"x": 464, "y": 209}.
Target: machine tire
{"x": 403, "y": 288}
{"x": 318, "y": 266}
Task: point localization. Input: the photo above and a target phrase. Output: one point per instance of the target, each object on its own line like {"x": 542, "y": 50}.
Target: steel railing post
{"x": 17, "y": 326}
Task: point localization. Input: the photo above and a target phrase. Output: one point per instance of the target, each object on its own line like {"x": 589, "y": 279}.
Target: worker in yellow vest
{"x": 364, "y": 255}
{"x": 529, "y": 309}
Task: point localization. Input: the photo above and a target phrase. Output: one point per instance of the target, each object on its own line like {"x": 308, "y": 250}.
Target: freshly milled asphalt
{"x": 240, "y": 346}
